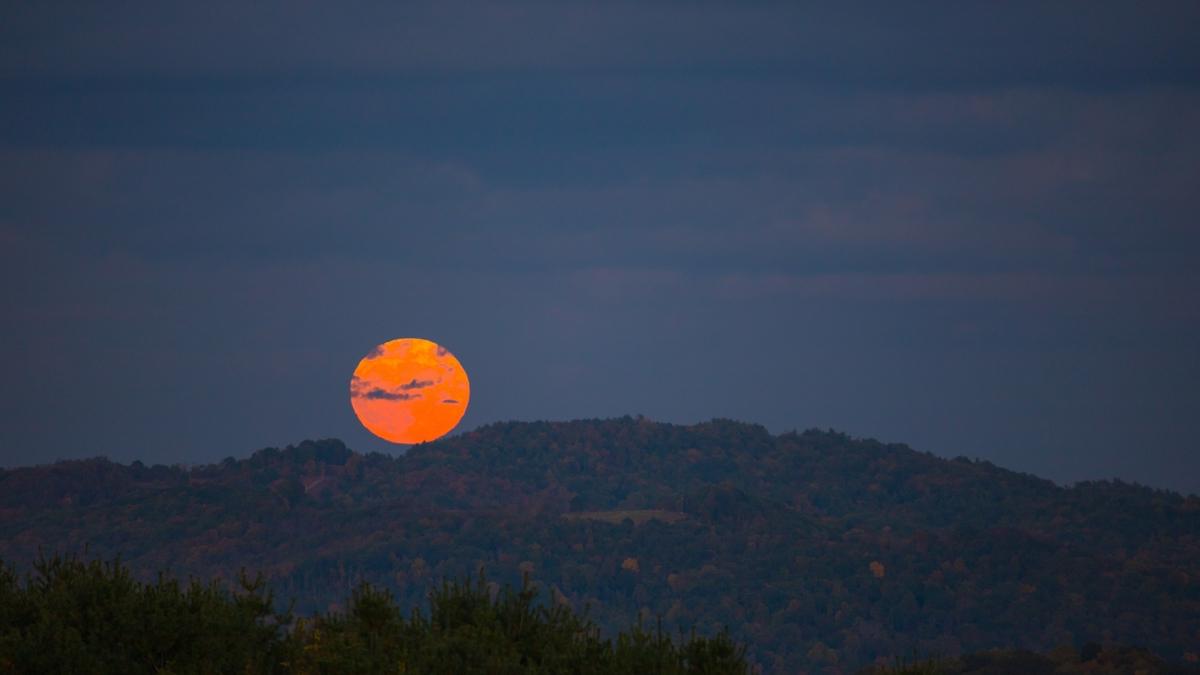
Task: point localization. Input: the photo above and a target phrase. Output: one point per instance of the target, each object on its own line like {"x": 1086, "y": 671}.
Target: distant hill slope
{"x": 819, "y": 550}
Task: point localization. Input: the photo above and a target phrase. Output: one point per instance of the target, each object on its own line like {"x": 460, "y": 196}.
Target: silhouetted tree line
{"x": 75, "y": 616}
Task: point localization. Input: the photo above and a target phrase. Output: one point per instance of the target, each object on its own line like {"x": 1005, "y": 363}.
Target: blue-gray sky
{"x": 971, "y": 227}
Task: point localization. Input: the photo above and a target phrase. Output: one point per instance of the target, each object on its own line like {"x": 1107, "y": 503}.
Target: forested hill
{"x": 818, "y": 550}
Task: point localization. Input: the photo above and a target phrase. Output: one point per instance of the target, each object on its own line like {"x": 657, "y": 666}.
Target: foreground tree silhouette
{"x": 476, "y": 628}
{"x": 71, "y": 616}
{"x": 94, "y": 617}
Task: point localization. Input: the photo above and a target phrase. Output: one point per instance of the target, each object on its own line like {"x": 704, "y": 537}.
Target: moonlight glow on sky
{"x": 409, "y": 390}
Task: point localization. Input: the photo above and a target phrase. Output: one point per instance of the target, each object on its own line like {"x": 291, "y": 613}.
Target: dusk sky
{"x": 969, "y": 227}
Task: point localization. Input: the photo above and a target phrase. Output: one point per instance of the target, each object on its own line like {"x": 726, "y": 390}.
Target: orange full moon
{"x": 409, "y": 391}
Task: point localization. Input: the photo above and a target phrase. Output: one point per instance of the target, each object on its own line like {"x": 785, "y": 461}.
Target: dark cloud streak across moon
{"x": 378, "y": 394}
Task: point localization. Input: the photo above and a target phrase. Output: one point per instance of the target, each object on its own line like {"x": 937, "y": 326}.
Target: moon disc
{"x": 409, "y": 390}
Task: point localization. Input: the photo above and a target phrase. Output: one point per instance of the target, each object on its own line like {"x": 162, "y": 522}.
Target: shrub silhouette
{"x": 78, "y": 616}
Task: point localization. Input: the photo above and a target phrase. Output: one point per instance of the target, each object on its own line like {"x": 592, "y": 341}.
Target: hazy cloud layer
{"x": 970, "y": 228}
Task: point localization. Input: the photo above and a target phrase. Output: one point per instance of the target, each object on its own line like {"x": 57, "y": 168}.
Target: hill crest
{"x": 818, "y": 549}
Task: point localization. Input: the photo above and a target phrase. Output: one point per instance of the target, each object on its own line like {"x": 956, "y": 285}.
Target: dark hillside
{"x": 817, "y": 549}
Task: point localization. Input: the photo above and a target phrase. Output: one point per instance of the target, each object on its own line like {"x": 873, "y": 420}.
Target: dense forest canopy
{"x": 816, "y": 549}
